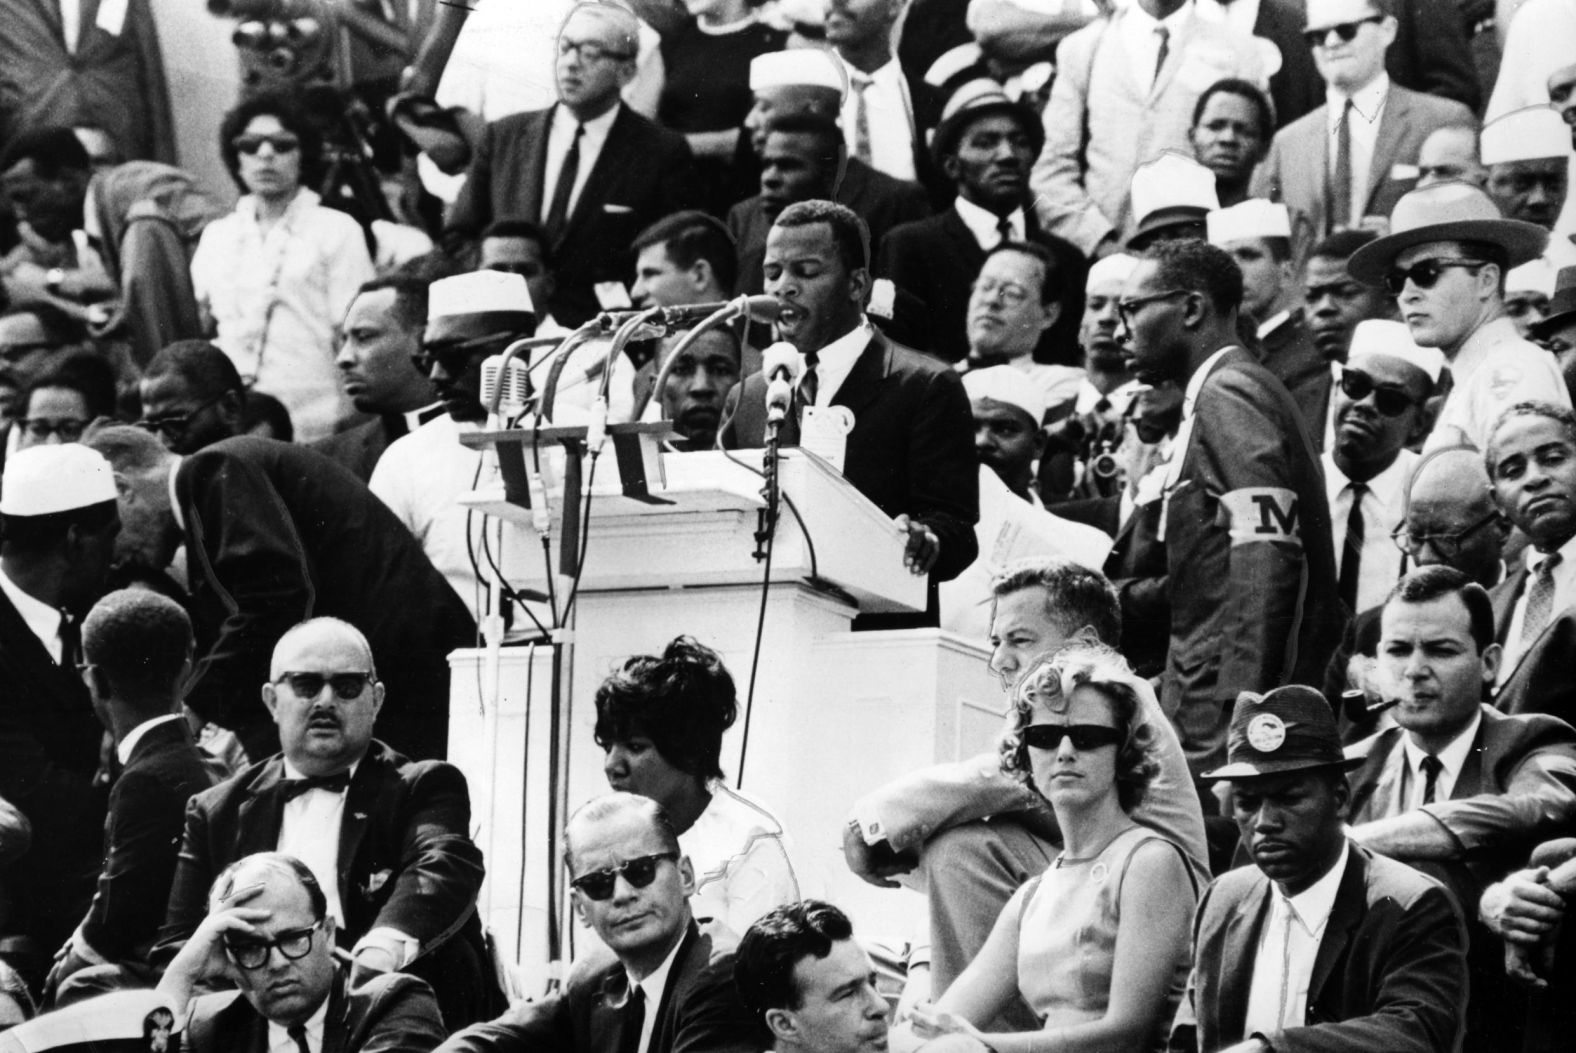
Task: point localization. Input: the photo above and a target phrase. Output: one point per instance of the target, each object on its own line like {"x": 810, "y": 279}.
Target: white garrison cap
{"x": 1115, "y": 268}
{"x": 1252, "y": 219}
{"x": 477, "y": 292}
{"x": 1172, "y": 181}
{"x": 805, "y": 67}
{"x": 1538, "y": 276}
{"x": 1394, "y": 340}
{"x": 1009, "y": 386}
{"x": 43, "y": 480}
{"x": 1531, "y": 133}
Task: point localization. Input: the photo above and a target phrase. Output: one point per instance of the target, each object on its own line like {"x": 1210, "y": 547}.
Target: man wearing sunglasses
{"x": 1528, "y": 153}
{"x": 270, "y": 933}
{"x": 1445, "y": 261}
{"x": 668, "y": 987}
{"x": 387, "y": 838}
{"x": 192, "y": 396}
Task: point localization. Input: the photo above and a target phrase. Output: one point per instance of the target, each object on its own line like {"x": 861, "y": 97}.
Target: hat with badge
{"x": 1170, "y": 191}
{"x": 1562, "y": 305}
{"x": 45, "y": 480}
{"x": 1290, "y": 729}
{"x": 1448, "y": 211}
{"x": 1008, "y": 386}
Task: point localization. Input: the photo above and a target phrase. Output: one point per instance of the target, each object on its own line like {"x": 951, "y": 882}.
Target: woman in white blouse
{"x": 276, "y": 275}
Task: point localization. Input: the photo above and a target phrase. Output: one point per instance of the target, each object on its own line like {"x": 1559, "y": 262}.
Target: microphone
{"x": 760, "y": 308}
{"x": 781, "y": 365}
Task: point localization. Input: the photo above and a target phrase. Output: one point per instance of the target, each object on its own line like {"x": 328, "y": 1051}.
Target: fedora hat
{"x": 1562, "y": 305}
{"x": 973, "y": 100}
{"x": 1167, "y": 192}
{"x": 1289, "y": 729}
{"x": 1449, "y": 211}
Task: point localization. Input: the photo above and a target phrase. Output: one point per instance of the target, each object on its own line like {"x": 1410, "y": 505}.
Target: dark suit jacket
{"x": 700, "y": 1010}
{"x": 359, "y": 448}
{"x": 392, "y": 1013}
{"x": 1431, "y": 52}
{"x": 912, "y": 447}
{"x": 1390, "y": 972}
{"x": 147, "y": 814}
{"x": 1505, "y": 596}
{"x": 937, "y": 259}
{"x": 1296, "y": 88}
{"x": 1250, "y": 562}
{"x": 1544, "y": 680}
{"x": 644, "y": 172}
{"x": 1290, "y": 353}
{"x": 276, "y": 533}
{"x": 49, "y": 750}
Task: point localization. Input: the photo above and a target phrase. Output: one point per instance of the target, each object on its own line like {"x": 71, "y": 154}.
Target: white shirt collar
{"x": 129, "y": 743}
{"x": 564, "y": 121}
{"x": 652, "y": 988}
{"x": 42, "y": 619}
{"x": 1272, "y": 323}
{"x": 292, "y": 772}
{"x": 1195, "y": 383}
{"x": 1451, "y": 758}
{"x": 279, "y": 1036}
{"x": 888, "y": 72}
{"x": 1392, "y": 480}
{"x": 1367, "y": 100}
{"x": 983, "y": 223}
{"x": 836, "y": 360}
{"x": 175, "y": 501}
{"x": 1567, "y": 553}
{"x": 1313, "y": 904}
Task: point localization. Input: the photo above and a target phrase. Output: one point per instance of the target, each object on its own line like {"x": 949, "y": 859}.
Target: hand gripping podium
{"x": 670, "y": 548}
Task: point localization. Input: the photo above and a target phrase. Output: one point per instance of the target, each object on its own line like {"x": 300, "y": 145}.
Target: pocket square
{"x": 1402, "y": 171}
{"x": 617, "y": 209}
{"x": 375, "y": 881}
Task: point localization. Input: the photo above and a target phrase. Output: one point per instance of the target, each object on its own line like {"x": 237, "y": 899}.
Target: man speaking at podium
{"x": 900, "y": 419}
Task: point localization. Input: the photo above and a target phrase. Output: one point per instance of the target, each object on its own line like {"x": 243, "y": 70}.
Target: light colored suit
{"x": 1081, "y": 187}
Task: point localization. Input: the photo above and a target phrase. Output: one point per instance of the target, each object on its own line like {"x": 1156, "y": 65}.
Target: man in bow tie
{"x": 386, "y": 837}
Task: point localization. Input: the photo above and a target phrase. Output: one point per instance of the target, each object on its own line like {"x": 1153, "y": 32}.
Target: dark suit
{"x": 1250, "y": 562}
{"x": 700, "y": 1010}
{"x": 147, "y": 813}
{"x": 406, "y": 861}
{"x": 1431, "y": 53}
{"x": 358, "y": 449}
{"x": 49, "y": 750}
{"x": 912, "y": 447}
{"x": 1296, "y": 88}
{"x": 1290, "y": 353}
{"x": 276, "y": 533}
{"x": 1544, "y": 681}
{"x": 1390, "y": 972}
{"x": 643, "y": 172}
{"x": 392, "y": 1013}
{"x": 937, "y": 259}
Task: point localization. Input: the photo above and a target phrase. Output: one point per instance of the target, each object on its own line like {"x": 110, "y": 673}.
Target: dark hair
{"x": 823, "y": 130}
{"x": 1075, "y": 595}
{"x": 58, "y": 326}
{"x": 611, "y": 804}
{"x": 278, "y": 862}
{"x": 849, "y": 232}
{"x": 287, "y": 110}
{"x": 262, "y": 408}
{"x": 1341, "y": 244}
{"x": 1426, "y": 584}
{"x": 693, "y": 235}
{"x": 1052, "y": 287}
{"x": 1247, "y": 90}
{"x": 526, "y": 229}
{"x": 206, "y": 371}
{"x": 682, "y": 701}
{"x": 85, "y": 373}
{"x": 140, "y": 640}
{"x": 410, "y": 296}
{"x": 1198, "y": 266}
{"x": 1560, "y": 415}
{"x": 52, "y": 149}
{"x": 764, "y": 961}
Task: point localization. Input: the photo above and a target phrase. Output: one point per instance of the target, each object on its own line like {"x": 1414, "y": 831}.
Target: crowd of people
{"x": 1214, "y": 362}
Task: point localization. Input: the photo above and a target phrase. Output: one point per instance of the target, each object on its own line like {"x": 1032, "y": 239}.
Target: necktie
{"x": 1341, "y": 180}
{"x": 1540, "y": 601}
{"x": 634, "y": 1014}
{"x": 1352, "y": 549}
{"x": 1165, "y": 49}
{"x": 297, "y": 1034}
{"x": 1431, "y": 766}
{"x": 558, "y": 211}
{"x": 1004, "y": 228}
{"x": 861, "y": 117}
{"x": 1285, "y": 972}
{"x": 70, "y": 640}
{"x": 809, "y": 383}
{"x": 293, "y": 788}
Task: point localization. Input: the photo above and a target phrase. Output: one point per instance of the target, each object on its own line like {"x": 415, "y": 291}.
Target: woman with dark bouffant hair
{"x": 660, "y": 719}
{"x": 1097, "y": 946}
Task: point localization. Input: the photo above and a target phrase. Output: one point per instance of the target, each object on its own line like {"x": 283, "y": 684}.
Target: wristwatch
{"x": 54, "y": 278}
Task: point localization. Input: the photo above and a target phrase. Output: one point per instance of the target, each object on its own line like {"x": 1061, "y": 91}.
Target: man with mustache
{"x": 387, "y": 838}
{"x": 1528, "y": 153}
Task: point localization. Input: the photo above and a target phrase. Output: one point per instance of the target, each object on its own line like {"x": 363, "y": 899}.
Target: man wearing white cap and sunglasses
{"x": 1528, "y": 153}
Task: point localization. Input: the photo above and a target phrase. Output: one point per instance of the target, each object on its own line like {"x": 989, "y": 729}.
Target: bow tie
{"x": 293, "y": 788}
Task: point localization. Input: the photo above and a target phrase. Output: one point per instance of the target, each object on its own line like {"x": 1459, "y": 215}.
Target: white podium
{"x": 834, "y": 714}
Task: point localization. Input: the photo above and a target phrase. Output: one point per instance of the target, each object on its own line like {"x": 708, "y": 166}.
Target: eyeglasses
{"x": 252, "y": 953}
{"x": 455, "y": 356}
{"x": 1447, "y": 545}
{"x": 1357, "y": 385}
{"x": 1425, "y": 273}
{"x": 174, "y": 425}
{"x": 1011, "y": 293}
{"x": 1125, "y": 309}
{"x": 250, "y": 144}
{"x": 1347, "y": 31}
{"x": 69, "y": 429}
{"x": 1084, "y": 737}
{"x": 588, "y": 52}
{"x": 347, "y": 686}
{"x": 639, "y": 872}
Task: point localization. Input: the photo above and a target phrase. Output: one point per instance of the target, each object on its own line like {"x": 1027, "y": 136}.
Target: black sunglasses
{"x": 1084, "y": 737}
{"x": 1357, "y": 385}
{"x": 347, "y": 686}
{"x": 174, "y": 425}
{"x": 252, "y": 953}
{"x": 1424, "y": 274}
{"x": 639, "y": 872}
{"x": 454, "y": 356}
{"x": 1347, "y": 31}
{"x": 250, "y": 144}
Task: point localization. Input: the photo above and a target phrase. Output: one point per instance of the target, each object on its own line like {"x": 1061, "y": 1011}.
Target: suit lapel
{"x": 864, "y": 381}
{"x": 336, "y": 1025}
{"x": 1345, "y": 914}
{"x": 360, "y": 799}
{"x": 1176, "y": 54}
{"x": 664, "y": 1024}
{"x": 1393, "y": 123}
{"x": 1239, "y": 948}
{"x": 536, "y": 161}
{"x": 1469, "y": 783}
{"x": 261, "y": 815}
{"x": 969, "y": 253}
{"x": 1374, "y": 781}
{"x": 1504, "y": 597}
{"x": 609, "y": 160}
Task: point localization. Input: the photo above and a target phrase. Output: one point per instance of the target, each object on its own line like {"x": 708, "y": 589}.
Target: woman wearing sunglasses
{"x": 276, "y": 276}
{"x": 1098, "y": 944}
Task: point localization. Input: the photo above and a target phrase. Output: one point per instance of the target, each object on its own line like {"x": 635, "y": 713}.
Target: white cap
{"x": 1006, "y": 385}
{"x": 43, "y": 480}
{"x": 1538, "y": 276}
{"x": 804, "y": 67}
{"x": 1172, "y": 181}
{"x": 1394, "y": 340}
{"x": 1115, "y": 268}
{"x": 1531, "y": 133}
{"x": 952, "y": 62}
{"x": 1251, "y": 220}
{"x": 477, "y": 292}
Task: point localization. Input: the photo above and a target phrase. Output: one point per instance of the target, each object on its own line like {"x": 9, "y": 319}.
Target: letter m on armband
{"x": 1262, "y": 513}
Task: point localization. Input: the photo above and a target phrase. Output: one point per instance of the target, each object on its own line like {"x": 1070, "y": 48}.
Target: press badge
{"x": 824, "y": 432}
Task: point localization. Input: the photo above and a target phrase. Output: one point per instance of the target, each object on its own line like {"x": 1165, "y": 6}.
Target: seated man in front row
{"x": 269, "y": 931}
{"x": 1321, "y": 944}
{"x": 668, "y": 987}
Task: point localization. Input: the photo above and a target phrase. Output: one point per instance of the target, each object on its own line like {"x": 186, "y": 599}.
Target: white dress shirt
{"x": 985, "y": 224}
{"x": 559, "y": 139}
{"x": 126, "y": 745}
{"x": 888, "y": 113}
{"x": 1564, "y": 596}
{"x": 1368, "y": 104}
{"x": 652, "y": 989}
{"x": 1384, "y": 508}
{"x": 1288, "y": 945}
{"x": 40, "y": 618}
{"x": 1142, "y": 41}
{"x": 1451, "y": 759}
{"x": 71, "y": 23}
{"x": 279, "y": 1040}
{"x": 309, "y": 830}
{"x": 1272, "y": 323}
{"x": 836, "y": 360}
